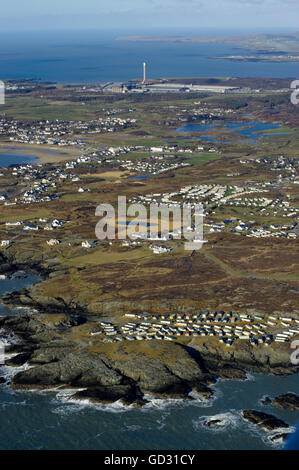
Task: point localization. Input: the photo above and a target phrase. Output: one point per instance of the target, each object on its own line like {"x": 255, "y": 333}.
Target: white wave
{"x": 25, "y": 309}
{"x": 161, "y": 425}
{"x": 7, "y": 404}
{"x": 165, "y": 403}
{"x": 66, "y": 394}
{"x": 250, "y": 377}
{"x": 9, "y": 355}
{"x": 279, "y": 442}
{"x": 205, "y": 402}
{"x": 9, "y": 371}
{"x": 159, "y": 403}
{"x": 66, "y": 398}
{"x": 133, "y": 427}
{"x": 41, "y": 391}
{"x": 16, "y": 310}
{"x": 229, "y": 419}
{"x": 8, "y": 338}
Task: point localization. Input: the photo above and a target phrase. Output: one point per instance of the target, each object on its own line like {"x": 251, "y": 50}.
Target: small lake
{"x": 250, "y": 132}
{"x": 135, "y": 222}
{"x": 140, "y": 177}
{"x": 7, "y": 159}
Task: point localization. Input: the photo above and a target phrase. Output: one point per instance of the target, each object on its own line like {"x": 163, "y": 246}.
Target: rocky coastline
{"x": 56, "y": 360}
{"x": 50, "y": 344}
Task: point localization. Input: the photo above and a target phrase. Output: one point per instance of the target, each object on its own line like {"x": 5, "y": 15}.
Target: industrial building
{"x": 149, "y": 86}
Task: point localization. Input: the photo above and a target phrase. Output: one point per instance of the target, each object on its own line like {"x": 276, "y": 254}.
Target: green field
{"x": 203, "y": 158}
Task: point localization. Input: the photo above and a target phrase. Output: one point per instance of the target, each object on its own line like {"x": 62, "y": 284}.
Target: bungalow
{"x": 30, "y": 227}
{"x": 6, "y": 242}
{"x": 13, "y": 224}
{"x": 160, "y": 249}
{"x": 53, "y": 242}
{"x": 87, "y": 244}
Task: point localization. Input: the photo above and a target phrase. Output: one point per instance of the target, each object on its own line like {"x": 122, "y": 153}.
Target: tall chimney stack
{"x": 144, "y": 72}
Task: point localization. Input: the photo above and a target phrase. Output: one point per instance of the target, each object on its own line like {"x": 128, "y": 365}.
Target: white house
{"x": 6, "y": 242}
{"x": 53, "y": 242}
{"x": 87, "y": 244}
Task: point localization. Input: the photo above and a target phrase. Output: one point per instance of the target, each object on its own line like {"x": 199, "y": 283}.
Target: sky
{"x": 149, "y": 14}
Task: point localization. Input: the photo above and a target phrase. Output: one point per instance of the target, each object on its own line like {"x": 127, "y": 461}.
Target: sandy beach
{"x": 45, "y": 153}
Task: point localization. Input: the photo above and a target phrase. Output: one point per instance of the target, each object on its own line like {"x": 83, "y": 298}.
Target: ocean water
{"x": 16, "y": 282}
{"x": 52, "y": 420}
{"x": 98, "y": 57}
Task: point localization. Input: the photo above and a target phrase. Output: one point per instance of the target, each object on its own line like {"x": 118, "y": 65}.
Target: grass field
{"x": 203, "y": 158}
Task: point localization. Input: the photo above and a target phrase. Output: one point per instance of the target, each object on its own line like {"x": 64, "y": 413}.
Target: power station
{"x": 166, "y": 86}
{"x": 144, "y": 72}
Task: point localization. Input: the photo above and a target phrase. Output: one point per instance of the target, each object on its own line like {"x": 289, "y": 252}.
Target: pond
{"x": 250, "y": 132}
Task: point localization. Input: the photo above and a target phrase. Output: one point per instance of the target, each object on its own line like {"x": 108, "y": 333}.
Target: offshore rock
{"x": 289, "y": 400}
{"x": 266, "y": 401}
{"x": 213, "y": 423}
{"x": 264, "y": 420}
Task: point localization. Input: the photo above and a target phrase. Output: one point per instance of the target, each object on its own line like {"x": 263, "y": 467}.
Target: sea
{"x": 51, "y": 419}
{"x": 96, "y": 56}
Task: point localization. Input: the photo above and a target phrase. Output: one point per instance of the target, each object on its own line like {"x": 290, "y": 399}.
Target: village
{"x": 59, "y": 132}
{"x": 40, "y": 184}
{"x": 215, "y": 197}
{"x": 227, "y": 327}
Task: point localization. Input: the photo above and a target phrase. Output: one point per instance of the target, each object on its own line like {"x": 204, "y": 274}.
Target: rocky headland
{"x": 57, "y": 345}
{"x": 58, "y": 349}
